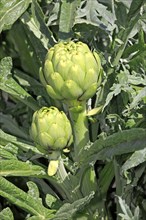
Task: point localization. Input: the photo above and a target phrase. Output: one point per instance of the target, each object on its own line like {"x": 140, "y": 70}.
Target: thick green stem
{"x": 80, "y": 128}
{"x": 79, "y": 123}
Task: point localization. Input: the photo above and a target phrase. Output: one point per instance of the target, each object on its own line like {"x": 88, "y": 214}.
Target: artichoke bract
{"x": 50, "y": 130}
{"x": 71, "y": 72}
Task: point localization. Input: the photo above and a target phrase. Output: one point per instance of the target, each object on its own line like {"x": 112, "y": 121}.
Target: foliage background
{"x": 117, "y": 122}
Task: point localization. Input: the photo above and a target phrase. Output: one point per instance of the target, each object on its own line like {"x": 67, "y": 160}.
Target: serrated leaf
{"x": 141, "y": 95}
{"x": 19, "y": 168}
{"x": 121, "y": 14}
{"x": 24, "y": 200}
{"x": 50, "y": 200}
{"x": 124, "y": 217}
{"x": 136, "y": 158}
{"x": 135, "y": 8}
{"x": 46, "y": 36}
{"x": 7, "y": 138}
{"x": 53, "y": 202}
{"x": 116, "y": 89}
{"x": 127, "y": 213}
{"x": 33, "y": 37}
{"x": 6, "y": 154}
{"x": 96, "y": 14}
{"x": 84, "y": 29}
{"x": 12, "y": 148}
{"x": 119, "y": 143}
{"x": 31, "y": 84}
{"x": 124, "y": 35}
{"x": 11, "y": 11}
{"x": 9, "y": 124}
{"x": 29, "y": 48}
{"x": 125, "y": 208}
{"x": 33, "y": 190}
{"x": 132, "y": 79}
{"x": 67, "y": 211}
{"x": 128, "y": 144}
{"x": 136, "y": 54}
{"x": 67, "y": 18}
{"x": 6, "y": 214}
{"x": 9, "y": 85}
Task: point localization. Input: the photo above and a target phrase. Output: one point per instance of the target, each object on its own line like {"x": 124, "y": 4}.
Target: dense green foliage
{"x": 115, "y": 149}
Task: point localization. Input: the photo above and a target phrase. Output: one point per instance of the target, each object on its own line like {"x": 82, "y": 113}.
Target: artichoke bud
{"x": 70, "y": 69}
{"x": 50, "y": 130}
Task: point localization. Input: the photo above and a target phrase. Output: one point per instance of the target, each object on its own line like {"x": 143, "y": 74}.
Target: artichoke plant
{"x": 51, "y": 132}
{"x": 71, "y": 72}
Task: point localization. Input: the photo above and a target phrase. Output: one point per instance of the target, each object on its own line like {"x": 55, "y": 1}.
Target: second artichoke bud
{"x": 50, "y": 130}
{"x": 71, "y": 72}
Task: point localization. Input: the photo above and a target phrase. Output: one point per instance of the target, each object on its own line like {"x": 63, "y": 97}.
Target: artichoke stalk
{"x": 51, "y": 132}
{"x": 72, "y": 74}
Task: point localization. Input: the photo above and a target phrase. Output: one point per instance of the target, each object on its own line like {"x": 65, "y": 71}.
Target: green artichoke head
{"x": 50, "y": 130}
{"x": 71, "y": 72}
